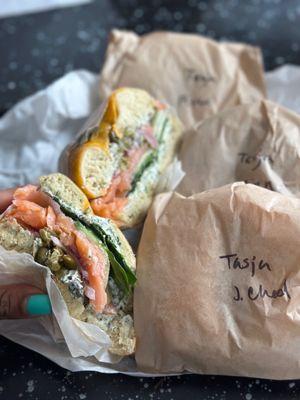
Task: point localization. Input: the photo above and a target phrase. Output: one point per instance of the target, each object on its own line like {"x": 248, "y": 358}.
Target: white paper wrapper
{"x": 283, "y": 86}
{"x": 49, "y": 120}
{"x": 70, "y": 343}
{"x": 19, "y": 7}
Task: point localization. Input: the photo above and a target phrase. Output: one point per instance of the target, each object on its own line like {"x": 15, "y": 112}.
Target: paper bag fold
{"x": 257, "y": 143}
{"x": 195, "y": 75}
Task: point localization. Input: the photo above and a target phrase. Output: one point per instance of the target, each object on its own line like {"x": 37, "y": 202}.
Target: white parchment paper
{"x": 283, "y": 86}
{"x": 32, "y": 136}
{"x": 19, "y": 7}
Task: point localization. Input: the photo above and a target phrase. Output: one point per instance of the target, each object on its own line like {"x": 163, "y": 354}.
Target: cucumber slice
{"x": 160, "y": 122}
{"x": 122, "y": 275}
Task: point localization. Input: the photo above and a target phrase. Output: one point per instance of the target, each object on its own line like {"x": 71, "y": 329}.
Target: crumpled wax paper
{"x": 32, "y": 136}
{"x": 19, "y": 7}
{"x": 34, "y": 132}
{"x": 283, "y": 86}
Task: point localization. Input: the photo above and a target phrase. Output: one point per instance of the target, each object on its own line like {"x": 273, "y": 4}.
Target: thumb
{"x": 6, "y": 197}
{"x": 23, "y": 301}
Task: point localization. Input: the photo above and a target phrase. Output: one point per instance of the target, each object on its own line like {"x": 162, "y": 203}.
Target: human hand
{"x": 20, "y": 300}
{"x": 6, "y": 197}
{"x": 23, "y": 301}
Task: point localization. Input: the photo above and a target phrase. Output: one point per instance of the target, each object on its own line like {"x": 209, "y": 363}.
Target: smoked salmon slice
{"x": 36, "y": 210}
{"x": 29, "y": 213}
{"x": 110, "y": 205}
{"x": 93, "y": 261}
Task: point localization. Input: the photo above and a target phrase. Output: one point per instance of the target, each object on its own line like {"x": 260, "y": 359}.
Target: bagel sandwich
{"x": 90, "y": 260}
{"x": 119, "y": 162}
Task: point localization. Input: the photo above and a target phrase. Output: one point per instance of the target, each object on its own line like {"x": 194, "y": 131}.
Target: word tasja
{"x": 254, "y": 160}
{"x": 234, "y": 262}
{"x": 199, "y": 77}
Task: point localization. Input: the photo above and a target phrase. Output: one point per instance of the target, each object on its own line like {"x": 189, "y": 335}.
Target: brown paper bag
{"x": 197, "y": 76}
{"x": 257, "y": 143}
{"x": 218, "y": 289}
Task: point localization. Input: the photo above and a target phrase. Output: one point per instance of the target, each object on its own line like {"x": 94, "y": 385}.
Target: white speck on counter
{"x": 138, "y": 13}
{"x": 41, "y": 36}
{"x": 291, "y": 384}
{"x": 290, "y": 15}
{"x": 140, "y": 28}
{"x": 61, "y": 40}
{"x": 27, "y": 68}
{"x": 11, "y": 85}
{"x": 279, "y": 60}
{"x": 13, "y": 65}
{"x": 35, "y": 52}
{"x": 83, "y": 35}
{"x": 146, "y": 385}
{"x": 178, "y": 16}
{"x": 54, "y": 62}
{"x": 200, "y": 28}
{"x": 248, "y": 396}
{"x": 82, "y": 396}
{"x": 30, "y": 386}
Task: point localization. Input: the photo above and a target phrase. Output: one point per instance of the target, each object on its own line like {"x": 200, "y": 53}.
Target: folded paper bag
{"x": 195, "y": 75}
{"x": 257, "y": 143}
{"x": 219, "y": 276}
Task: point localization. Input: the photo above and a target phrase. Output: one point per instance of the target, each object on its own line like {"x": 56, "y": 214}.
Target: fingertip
{"x": 38, "y": 305}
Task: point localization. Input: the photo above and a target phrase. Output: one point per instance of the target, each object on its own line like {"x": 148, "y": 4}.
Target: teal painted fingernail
{"x": 38, "y": 304}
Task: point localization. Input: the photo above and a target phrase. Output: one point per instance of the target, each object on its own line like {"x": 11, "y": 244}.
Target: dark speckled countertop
{"x": 35, "y": 50}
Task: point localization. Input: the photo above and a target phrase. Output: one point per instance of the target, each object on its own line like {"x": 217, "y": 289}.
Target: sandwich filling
{"x": 109, "y": 162}
{"x": 91, "y": 261}
{"x": 59, "y": 243}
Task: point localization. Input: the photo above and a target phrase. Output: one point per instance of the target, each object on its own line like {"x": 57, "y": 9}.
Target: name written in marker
{"x": 184, "y": 100}
{"x": 253, "y": 264}
{"x": 260, "y": 293}
{"x": 254, "y": 160}
{"x": 198, "y": 77}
